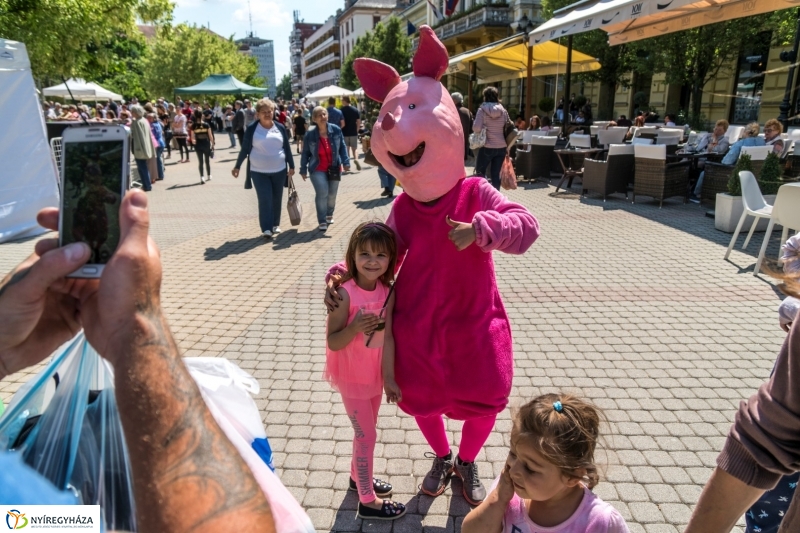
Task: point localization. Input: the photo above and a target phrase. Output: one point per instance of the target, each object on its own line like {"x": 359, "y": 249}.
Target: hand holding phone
{"x": 94, "y": 170}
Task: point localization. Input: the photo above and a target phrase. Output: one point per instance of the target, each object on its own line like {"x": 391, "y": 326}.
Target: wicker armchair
{"x": 657, "y": 178}
{"x": 611, "y": 175}
{"x": 541, "y": 154}
{"x": 717, "y": 176}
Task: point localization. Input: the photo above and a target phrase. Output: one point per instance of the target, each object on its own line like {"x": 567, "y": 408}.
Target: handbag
{"x": 510, "y": 132}
{"x": 334, "y": 173}
{"x": 477, "y": 140}
{"x": 293, "y": 205}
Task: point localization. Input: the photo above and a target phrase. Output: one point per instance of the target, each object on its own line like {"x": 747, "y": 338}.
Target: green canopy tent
{"x": 221, "y": 84}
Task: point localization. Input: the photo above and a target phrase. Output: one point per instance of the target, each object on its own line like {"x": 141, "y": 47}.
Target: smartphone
{"x": 94, "y": 174}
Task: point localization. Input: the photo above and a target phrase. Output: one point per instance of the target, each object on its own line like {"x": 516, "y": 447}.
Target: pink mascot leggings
{"x": 363, "y": 415}
{"x": 473, "y": 435}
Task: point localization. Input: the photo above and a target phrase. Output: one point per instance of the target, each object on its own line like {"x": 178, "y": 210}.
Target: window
{"x": 375, "y": 20}
{"x": 347, "y": 29}
{"x": 353, "y": 24}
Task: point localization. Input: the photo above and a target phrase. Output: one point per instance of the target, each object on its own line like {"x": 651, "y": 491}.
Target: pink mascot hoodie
{"x": 453, "y": 338}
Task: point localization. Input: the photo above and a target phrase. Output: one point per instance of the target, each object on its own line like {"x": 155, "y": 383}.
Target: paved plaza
{"x": 629, "y": 306}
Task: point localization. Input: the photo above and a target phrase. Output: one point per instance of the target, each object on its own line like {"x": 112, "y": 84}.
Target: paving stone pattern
{"x": 630, "y": 306}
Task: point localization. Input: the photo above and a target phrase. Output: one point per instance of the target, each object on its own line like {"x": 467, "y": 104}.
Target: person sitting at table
{"x": 519, "y": 123}
{"x": 772, "y": 135}
{"x": 638, "y": 122}
{"x": 715, "y": 142}
{"x": 581, "y": 118}
{"x": 669, "y": 120}
{"x": 546, "y": 124}
{"x": 751, "y": 138}
{"x": 623, "y": 122}
{"x": 535, "y": 123}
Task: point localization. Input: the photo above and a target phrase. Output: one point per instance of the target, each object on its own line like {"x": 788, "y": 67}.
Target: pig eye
{"x": 411, "y": 106}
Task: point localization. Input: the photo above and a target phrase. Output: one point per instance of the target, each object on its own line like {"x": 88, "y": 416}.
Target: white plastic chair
{"x": 785, "y": 213}
{"x": 754, "y": 205}
{"x": 733, "y": 133}
{"x": 580, "y": 141}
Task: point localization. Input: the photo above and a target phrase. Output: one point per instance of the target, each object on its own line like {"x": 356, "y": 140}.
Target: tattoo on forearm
{"x": 13, "y": 279}
{"x": 200, "y": 456}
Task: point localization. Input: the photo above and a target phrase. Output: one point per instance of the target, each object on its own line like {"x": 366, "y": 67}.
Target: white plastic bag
{"x": 226, "y": 388}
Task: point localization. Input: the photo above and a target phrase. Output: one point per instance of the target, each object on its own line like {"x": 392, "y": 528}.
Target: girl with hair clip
{"x": 360, "y": 357}
{"x": 546, "y": 484}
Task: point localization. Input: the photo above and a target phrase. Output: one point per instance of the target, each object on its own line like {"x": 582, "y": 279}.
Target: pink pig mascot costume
{"x": 453, "y": 338}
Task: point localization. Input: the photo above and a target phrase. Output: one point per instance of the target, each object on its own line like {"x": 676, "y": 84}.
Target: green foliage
{"x": 770, "y": 179}
{"x": 387, "y": 42}
{"x": 284, "y": 88}
{"x": 641, "y": 99}
{"x": 547, "y": 104}
{"x": 63, "y": 37}
{"x": 734, "y": 185}
{"x": 118, "y": 65}
{"x": 187, "y": 55}
{"x": 580, "y": 101}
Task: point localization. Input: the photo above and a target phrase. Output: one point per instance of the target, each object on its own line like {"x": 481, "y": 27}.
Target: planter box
{"x": 728, "y": 210}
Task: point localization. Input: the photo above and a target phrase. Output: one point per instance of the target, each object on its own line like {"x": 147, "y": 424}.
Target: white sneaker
{"x": 202, "y": 180}
{"x": 323, "y": 227}
{"x": 329, "y": 220}
{"x": 276, "y": 230}
{"x": 267, "y": 234}
{"x": 209, "y": 177}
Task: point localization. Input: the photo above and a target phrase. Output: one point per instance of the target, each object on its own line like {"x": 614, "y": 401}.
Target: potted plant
{"x": 546, "y": 105}
{"x": 770, "y": 179}
{"x": 729, "y": 207}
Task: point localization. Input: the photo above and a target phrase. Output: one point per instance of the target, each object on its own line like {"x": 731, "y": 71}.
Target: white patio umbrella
{"x": 81, "y": 90}
{"x": 359, "y": 92}
{"x": 327, "y": 92}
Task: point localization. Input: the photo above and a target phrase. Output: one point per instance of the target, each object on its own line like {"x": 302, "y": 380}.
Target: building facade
{"x": 360, "y": 17}
{"x": 264, "y": 52}
{"x": 322, "y": 56}
{"x": 301, "y": 31}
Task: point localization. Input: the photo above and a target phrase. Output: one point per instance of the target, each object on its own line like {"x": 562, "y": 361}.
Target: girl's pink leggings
{"x": 363, "y": 415}
{"x": 473, "y": 435}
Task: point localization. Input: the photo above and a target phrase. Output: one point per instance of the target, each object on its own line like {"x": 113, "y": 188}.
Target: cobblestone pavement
{"x": 630, "y": 306}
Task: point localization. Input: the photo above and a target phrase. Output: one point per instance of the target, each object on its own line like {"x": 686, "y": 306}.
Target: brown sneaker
{"x": 436, "y": 479}
{"x": 358, "y": 165}
{"x": 473, "y": 489}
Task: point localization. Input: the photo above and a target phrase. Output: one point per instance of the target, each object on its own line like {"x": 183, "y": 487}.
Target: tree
{"x": 122, "y": 68}
{"x": 388, "y": 43}
{"x": 187, "y": 55}
{"x": 284, "y": 89}
{"x": 64, "y": 36}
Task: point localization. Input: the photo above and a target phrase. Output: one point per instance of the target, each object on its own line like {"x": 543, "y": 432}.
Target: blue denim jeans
{"x": 325, "y": 195}
{"x": 232, "y": 137}
{"x": 160, "y": 162}
{"x": 269, "y": 189}
{"x": 387, "y": 180}
{"x": 493, "y": 159}
{"x": 144, "y": 174}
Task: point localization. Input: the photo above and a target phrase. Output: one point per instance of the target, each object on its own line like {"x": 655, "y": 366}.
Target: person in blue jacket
{"x": 266, "y": 144}
{"x": 324, "y": 153}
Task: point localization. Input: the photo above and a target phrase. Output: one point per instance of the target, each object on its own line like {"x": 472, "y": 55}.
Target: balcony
{"x": 487, "y": 15}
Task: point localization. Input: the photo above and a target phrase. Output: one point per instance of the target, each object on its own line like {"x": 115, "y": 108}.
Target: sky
{"x": 272, "y": 19}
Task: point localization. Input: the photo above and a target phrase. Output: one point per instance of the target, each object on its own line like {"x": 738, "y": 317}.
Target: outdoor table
{"x": 566, "y": 158}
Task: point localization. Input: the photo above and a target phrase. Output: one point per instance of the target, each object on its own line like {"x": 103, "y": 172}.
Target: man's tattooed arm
{"x": 187, "y": 475}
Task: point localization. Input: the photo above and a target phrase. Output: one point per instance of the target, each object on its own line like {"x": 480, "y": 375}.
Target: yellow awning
{"x": 508, "y": 59}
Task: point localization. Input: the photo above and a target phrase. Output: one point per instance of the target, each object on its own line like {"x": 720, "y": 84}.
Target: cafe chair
{"x": 655, "y": 177}
{"x": 754, "y": 205}
{"x": 611, "y": 175}
{"x": 717, "y": 175}
{"x": 784, "y": 213}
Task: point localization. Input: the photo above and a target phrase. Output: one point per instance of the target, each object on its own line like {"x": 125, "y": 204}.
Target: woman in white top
{"x": 180, "y": 134}
{"x": 266, "y": 143}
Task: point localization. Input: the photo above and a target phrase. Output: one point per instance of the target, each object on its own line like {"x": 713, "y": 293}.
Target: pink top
{"x": 355, "y": 371}
{"x": 593, "y": 515}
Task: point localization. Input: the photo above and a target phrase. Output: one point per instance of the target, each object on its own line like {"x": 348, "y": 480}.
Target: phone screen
{"x": 92, "y": 194}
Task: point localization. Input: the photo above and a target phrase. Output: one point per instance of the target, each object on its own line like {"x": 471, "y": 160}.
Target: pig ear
{"x": 376, "y": 78}
{"x": 431, "y": 59}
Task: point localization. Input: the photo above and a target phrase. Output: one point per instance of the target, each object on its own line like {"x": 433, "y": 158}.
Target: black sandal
{"x": 389, "y": 511}
{"x": 381, "y": 488}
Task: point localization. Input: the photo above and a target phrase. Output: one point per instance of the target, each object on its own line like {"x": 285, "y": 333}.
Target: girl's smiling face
{"x": 371, "y": 263}
{"x": 534, "y": 477}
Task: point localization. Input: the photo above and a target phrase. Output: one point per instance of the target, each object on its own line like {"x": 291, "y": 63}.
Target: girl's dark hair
{"x": 545, "y": 121}
{"x": 565, "y": 433}
{"x": 490, "y": 94}
{"x": 197, "y": 116}
{"x": 538, "y": 123}
{"x": 381, "y": 238}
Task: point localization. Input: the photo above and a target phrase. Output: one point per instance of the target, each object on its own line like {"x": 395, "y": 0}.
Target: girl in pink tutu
{"x": 360, "y": 357}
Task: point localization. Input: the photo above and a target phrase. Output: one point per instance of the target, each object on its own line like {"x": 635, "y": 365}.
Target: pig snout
{"x": 388, "y": 122}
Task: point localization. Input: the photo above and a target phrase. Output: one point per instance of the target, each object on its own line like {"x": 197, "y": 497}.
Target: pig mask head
{"x": 417, "y": 137}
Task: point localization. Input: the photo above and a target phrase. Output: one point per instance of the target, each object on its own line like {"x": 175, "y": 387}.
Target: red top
{"x": 325, "y": 154}
{"x": 282, "y": 117}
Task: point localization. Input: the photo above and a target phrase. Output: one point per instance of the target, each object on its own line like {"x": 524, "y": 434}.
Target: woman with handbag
{"x": 324, "y": 154}
{"x": 266, "y": 143}
{"x": 493, "y": 117}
